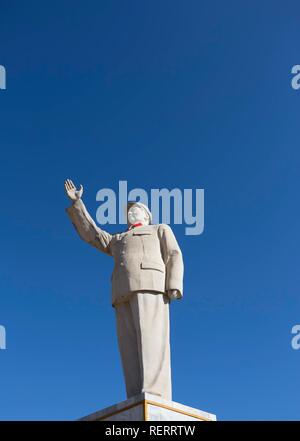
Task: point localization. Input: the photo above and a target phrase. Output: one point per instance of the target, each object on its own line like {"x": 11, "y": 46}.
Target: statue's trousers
{"x": 144, "y": 343}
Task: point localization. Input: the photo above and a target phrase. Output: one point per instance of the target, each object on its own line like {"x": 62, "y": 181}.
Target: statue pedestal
{"x": 147, "y": 407}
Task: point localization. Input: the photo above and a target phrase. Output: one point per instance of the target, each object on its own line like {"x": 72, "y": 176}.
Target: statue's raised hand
{"x": 71, "y": 190}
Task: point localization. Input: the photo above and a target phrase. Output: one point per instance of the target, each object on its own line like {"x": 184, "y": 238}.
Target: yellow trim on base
{"x": 120, "y": 410}
{"x": 165, "y": 406}
{"x": 146, "y": 403}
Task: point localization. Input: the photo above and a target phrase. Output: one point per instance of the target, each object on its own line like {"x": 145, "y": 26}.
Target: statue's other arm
{"x": 172, "y": 257}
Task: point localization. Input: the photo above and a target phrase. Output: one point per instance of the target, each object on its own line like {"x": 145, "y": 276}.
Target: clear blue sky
{"x": 162, "y": 94}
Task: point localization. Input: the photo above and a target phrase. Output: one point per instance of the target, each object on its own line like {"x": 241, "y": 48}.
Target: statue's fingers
{"x": 72, "y": 186}
{"x": 67, "y": 185}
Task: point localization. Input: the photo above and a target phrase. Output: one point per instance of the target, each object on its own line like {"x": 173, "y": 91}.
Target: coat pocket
{"x": 149, "y": 264}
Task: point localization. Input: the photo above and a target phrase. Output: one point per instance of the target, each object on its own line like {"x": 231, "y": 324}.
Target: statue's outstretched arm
{"x": 83, "y": 222}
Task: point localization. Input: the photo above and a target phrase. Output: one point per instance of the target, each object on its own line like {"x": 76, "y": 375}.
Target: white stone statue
{"x": 148, "y": 273}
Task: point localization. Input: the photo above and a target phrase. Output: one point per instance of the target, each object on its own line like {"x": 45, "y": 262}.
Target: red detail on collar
{"x": 139, "y": 224}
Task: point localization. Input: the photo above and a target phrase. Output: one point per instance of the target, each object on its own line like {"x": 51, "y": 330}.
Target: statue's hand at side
{"x": 71, "y": 190}
{"x": 173, "y": 294}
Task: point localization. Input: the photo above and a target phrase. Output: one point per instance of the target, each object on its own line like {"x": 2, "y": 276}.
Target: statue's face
{"x": 136, "y": 215}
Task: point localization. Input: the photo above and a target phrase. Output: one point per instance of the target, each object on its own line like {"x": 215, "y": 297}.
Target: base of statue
{"x": 148, "y": 407}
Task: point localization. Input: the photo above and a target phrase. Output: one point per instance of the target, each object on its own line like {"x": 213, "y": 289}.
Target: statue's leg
{"x": 128, "y": 348}
{"x": 151, "y": 317}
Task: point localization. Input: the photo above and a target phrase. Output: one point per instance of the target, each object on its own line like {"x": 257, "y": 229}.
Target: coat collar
{"x": 140, "y": 230}
{"x": 131, "y": 227}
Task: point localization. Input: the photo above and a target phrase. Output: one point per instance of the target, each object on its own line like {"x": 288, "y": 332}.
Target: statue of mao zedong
{"x": 147, "y": 275}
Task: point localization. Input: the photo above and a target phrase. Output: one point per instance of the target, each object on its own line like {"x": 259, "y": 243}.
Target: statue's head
{"x": 138, "y": 213}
